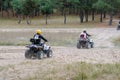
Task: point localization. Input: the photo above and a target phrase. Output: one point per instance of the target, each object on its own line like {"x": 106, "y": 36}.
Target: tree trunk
{"x": 104, "y": 15}
{"x": 36, "y": 13}
{"x": 86, "y": 15}
{"x": 111, "y": 18}
{"x": 13, "y": 14}
{"x": 93, "y": 15}
{"x": 1, "y": 11}
{"x": 101, "y": 18}
{"x": 7, "y": 13}
{"x": 28, "y": 20}
{"x": 19, "y": 19}
{"x": 118, "y": 14}
{"x": 81, "y": 15}
{"x": 64, "y": 14}
{"x": 46, "y": 16}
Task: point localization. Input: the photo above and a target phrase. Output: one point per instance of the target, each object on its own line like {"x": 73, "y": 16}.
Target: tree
{"x": 7, "y": 6}
{"x": 92, "y": 9}
{"x": 17, "y": 6}
{"x": 80, "y": 6}
{"x": 29, "y": 8}
{"x": 1, "y": 7}
{"x": 100, "y": 5}
{"x": 113, "y": 6}
{"x": 46, "y": 8}
{"x": 24, "y": 7}
{"x": 64, "y": 7}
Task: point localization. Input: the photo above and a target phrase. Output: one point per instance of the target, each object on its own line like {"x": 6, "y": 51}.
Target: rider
{"x": 85, "y": 34}
{"x": 37, "y": 38}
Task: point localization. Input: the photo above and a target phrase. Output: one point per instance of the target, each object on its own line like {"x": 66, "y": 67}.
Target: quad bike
{"x": 38, "y": 51}
{"x": 85, "y": 43}
{"x": 118, "y": 27}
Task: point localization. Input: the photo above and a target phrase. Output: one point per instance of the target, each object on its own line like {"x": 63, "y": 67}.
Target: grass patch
{"x": 62, "y": 38}
{"x": 54, "y": 38}
{"x": 6, "y": 43}
{"x": 80, "y": 71}
{"x": 53, "y": 22}
{"x": 116, "y": 41}
{"x": 6, "y": 68}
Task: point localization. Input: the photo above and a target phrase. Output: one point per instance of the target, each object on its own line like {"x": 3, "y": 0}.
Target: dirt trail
{"x": 104, "y": 50}
{"x": 102, "y": 36}
{"x": 15, "y": 55}
{"x": 13, "y": 62}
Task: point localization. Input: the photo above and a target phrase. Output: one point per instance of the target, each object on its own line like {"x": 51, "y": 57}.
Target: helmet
{"x": 38, "y": 31}
{"x": 84, "y": 30}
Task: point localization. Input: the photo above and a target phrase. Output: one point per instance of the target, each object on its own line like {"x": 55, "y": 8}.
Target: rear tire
{"x": 28, "y": 54}
{"x": 49, "y": 54}
{"x": 92, "y": 44}
{"x": 78, "y": 45}
{"x": 40, "y": 54}
{"x": 87, "y": 45}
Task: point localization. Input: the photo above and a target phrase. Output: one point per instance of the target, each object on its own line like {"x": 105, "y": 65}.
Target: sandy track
{"x": 14, "y": 66}
{"x": 15, "y": 55}
{"x": 101, "y": 36}
{"x": 104, "y": 50}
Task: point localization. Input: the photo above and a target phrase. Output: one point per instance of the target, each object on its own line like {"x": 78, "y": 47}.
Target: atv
{"x": 85, "y": 43}
{"x": 38, "y": 51}
{"x": 118, "y": 27}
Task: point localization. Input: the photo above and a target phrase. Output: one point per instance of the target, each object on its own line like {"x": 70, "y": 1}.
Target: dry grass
{"x": 55, "y": 71}
{"x": 56, "y": 68}
{"x": 116, "y": 41}
{"x": 49, "y": 69}
{"x": 62, "y": 38}
{"x": 54, "y": 38}
{"x": 53, "y": 22}
{"x": 79, "y": 71}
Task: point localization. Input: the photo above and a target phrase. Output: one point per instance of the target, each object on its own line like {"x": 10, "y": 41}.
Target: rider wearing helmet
{"x": 37, "y": 37}
{"x": 85, "y": 35}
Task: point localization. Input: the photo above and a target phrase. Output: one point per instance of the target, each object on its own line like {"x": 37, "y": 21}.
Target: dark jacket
{"x": 88, "y": 34}
{"x": 38, "y": 38}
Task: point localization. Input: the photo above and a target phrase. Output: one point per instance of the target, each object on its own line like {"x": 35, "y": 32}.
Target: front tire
{"x": 40, "y": 54}
{"x": 49, "y": 54}
{"x": 87, "y": 45}
{"x": 28, "y": 54}
{"x": 78, "y": 45}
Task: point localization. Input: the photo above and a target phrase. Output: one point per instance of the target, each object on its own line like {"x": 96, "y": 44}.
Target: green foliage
{"x": 100, "y": 5}
{"x": 17, "y": 6}
{"x": 7, "y": 4}
{"x": 80, "y": 76}
{"x": 46, "y": 7}
{"x": 113, "y": 4}
{"x": 1, "y": 2}
{"x": 29, "y": 7}
{"x": 107, "y": 5}
{"x": 25, "y": 7}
